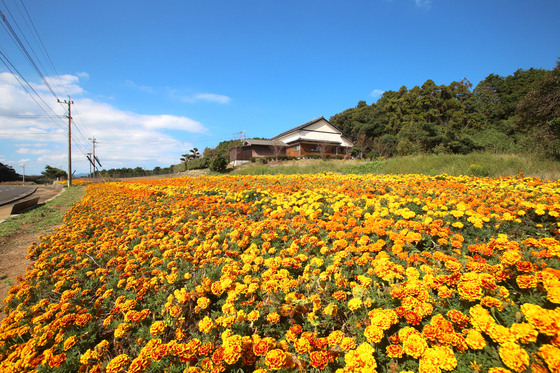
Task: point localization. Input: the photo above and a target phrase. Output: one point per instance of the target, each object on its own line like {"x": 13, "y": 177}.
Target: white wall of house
{"x": 318, "y": 131}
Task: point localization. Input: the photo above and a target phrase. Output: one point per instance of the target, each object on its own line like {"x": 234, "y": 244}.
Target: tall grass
{"x": 292, "y": 167}
{"x": 477, "y": 164}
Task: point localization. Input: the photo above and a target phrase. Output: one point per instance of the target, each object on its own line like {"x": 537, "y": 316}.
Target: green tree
{"x": 53, "y": 173}
{"x": 540, "y": 109}
{"x": 7, "y": 173}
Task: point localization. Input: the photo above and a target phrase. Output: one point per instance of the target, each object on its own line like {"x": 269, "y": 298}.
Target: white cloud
{"x": 131, "y": 84}
{"x": 125, "y": 139}
{"x": 376, "y": 93}
{"x": 211, "y": 97}
{"x": 32, "y": 151}
{"x": 424, "y": 3}
{"x": 83, "y": 75}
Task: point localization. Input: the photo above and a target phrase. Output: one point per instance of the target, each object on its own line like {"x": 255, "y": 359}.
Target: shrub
{"x": 218, "y": 164}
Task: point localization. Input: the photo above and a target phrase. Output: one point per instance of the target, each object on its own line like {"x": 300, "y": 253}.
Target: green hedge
{"x": 198, "y": 163}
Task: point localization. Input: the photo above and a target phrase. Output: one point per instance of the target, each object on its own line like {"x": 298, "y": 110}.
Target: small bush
{"x": 478, "y": 170}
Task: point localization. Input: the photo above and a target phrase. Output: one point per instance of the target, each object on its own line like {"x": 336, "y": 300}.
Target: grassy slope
{"x": 478, "y": 164}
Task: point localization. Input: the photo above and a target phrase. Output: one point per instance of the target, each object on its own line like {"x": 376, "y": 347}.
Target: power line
{"x": 43, "y": 45}
{"x": 23, "y": 49}
{"x": 8, "y": 67}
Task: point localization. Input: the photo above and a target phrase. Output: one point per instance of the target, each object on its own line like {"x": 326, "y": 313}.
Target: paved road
{"x": 9, "y": 193}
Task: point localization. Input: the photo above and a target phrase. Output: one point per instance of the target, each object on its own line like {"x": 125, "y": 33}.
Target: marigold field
{"x": 333, "y": 273}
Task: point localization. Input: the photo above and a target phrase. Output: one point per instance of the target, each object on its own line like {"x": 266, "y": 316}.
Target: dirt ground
{"x": 13, "y": 250}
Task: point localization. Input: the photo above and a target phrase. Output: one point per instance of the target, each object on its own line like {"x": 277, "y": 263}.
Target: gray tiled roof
{"x": 257, "y": 142}
{"x": 308, "y": 124}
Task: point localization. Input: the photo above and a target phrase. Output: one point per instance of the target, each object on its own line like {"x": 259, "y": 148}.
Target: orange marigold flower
{"x": 157, "y": 327}
{"x": 492, "y": 302}
{"x": 273, "y": 318}
{"x": 275, "y": 359}
{"x": 117, "y": 364}
{"x": 262, "y": 346}
{"x": 57, "y": 360}
{"x": 339, "y": 295}
{"x": 526, "y": 281}
{"x": 319, "y": 359}
{"x": 83, "y": 319}
{"x": 499, "y": 370}
{"x": 500, "y": 334}
{"x": 70, "y": 341}
{"x": 335, "y": 337}
{"x": 395, "y": 351}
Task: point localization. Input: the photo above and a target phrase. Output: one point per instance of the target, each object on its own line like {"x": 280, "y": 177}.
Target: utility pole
{"x": 93, "y": 141}
{"x": 69, "y": 102}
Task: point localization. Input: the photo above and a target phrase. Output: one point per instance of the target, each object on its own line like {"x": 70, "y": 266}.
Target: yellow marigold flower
{"x": 551, "y": 356}
{"x": 510, "y": 257}
{"x": 253, "y": 315}
{"x": 203, "y": 302}
{"x": 361, "y": 359}
{"x": 544, "y": 320}
{"x": 374, "y": 334}
{"x": 481, "y": 319}
{"x": 499, "y": 370}
{"x": 354, "y": 304}
{"x": 122, "y": 329}
{"x": 470, "y": 291}
{"x": 475, "y": 340}
{"x": 233, "y": 347}
{"x": 302, "y": 345}
{"x": 500, "y": 334}
{"x": 275, "y": 359}
{"x": 524, "y": 332}
{"x": 205, "y": 325}
{"x": 514, "y": 357}
{"x": 415, "y": 345}
{"x": 273, "y": 318}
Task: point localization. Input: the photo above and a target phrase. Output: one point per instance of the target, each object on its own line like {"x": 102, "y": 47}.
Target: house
{"x": 253, "y": 148}
{"x": 318, "y": 136}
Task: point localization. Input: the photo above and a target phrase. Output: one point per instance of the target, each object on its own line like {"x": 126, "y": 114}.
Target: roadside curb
{"x": 47, "y": 200}
{"x": 20, "y": 196}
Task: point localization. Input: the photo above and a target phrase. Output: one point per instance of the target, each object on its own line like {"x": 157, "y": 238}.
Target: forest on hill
{"x": 519, "y": 113}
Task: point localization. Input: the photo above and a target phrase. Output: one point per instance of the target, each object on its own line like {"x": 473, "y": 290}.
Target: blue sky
{"x": 151, "y": 80}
